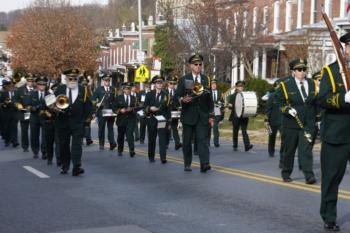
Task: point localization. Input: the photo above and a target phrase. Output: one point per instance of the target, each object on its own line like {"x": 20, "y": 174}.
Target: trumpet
{"x": 62, "y": 102}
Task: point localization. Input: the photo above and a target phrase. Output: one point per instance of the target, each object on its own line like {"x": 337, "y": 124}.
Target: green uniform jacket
{"x": 98, "y": 95}
{"x": 232, "y": 100}
{"x": 22, "y": 96}
{"x": 306, "y": 110}
{"x": 336, "y": 119}
{"x": 273, "y": 110}
{"x": 76, "y": 114}
{"x": 124, "y": 118}
{"x": 163, "y": 105}
{"x": 198, "y": 109}
{"x": 37, "y": 107}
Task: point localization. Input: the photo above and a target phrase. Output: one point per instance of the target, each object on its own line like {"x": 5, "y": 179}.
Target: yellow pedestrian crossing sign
{"x": 142, "y": 74}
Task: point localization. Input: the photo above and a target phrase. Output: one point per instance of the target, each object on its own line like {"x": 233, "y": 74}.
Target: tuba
{"x": 62, "y": 102}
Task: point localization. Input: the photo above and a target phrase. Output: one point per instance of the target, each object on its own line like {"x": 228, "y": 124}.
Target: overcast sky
{"x": 9, "y": 5}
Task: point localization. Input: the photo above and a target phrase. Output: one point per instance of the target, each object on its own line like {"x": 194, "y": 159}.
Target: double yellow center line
{"x": 344, "y": 194}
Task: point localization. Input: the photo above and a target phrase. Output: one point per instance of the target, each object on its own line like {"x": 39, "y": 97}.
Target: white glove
{"x": 154, "y": 109}
{"x": 347, "y": 97}
{"x": 292, "y": 112}
{"x": 318, "y": 124}
{"x": 98, "y": 105}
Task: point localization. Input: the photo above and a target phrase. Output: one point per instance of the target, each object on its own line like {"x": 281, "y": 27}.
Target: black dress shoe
{"x": 287, "y": 180}
{"x": 58, "y": 163}
{"x": 205, "y": 167}
{"x": 271, "y": 155}
{"x": 77, "y": 171}
{"x": 132, "y": 154}
{"x": 89, "y": 142}
{"x": 120, "y": 153}
{"x": 331, "y": 226}
{"x": 25, "y": 150}
{"x": 7, "y": 144}
{"x": 152, "y": 160}
{"x": 217, "y": 145}
{"x": 64, "y": 171}
{"x": 15, "y": 144}
{"x": 187, "y": 169}
{"x": 311, "y": 180}
{"x": 249, "y": 147}
{"x": 43, "y": 156}
{"x": 178, "y": 146}
{"x": 35, "y": 156}
{"x": 112, "y": 146}
{"x": 164, "y": 161}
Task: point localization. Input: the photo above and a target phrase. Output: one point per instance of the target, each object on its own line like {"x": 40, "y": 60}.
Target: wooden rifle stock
{"x": 339, "y": 50}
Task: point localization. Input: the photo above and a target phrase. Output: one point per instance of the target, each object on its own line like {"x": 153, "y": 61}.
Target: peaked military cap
{"x": 214, "y": 81}
{"x": 107, "y": 76}
{"x": 345, "y": 38}
{"x": 172, "y": 79}
{"x": 240, "y": 83}
{"x": 157, "y": 78}
{"x": 195, "y": 58}
{"x": 316, "y": 75}
{"x": 298, "y": 63}
{"x": 41, "y": 80}
{"x": 127, "y": 84}
{"x": 71, "y": 72}
{"x": 6, "y": 82}
{"x": 29, "y": 77}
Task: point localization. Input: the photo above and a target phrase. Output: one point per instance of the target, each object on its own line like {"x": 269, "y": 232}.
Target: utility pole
{"x": 140, "y": 31}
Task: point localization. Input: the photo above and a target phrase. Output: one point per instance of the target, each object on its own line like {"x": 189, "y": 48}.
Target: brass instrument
{"x": 62, "y": 102}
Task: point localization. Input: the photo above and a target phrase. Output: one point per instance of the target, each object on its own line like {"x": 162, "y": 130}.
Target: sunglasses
{"x": 301, "y": 69}
{"x": 198, "y": 64}
{"x": 72, "y": 79}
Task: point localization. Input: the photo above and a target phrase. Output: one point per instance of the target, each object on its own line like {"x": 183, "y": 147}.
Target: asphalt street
{"x": 242, "y": 194}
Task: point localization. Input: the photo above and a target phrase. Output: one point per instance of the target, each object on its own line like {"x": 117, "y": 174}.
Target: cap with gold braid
{"x": 71, "y": 72}
{"x": 298, "y": 63}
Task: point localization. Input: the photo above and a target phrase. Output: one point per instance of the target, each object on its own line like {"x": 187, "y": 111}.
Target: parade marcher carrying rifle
{"x": 334, "y": 98}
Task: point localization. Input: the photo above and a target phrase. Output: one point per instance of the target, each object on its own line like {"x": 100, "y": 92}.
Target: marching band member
{"x": 219, "y": 112}
{"x": 124, "y": 105}
{"x": 296, "y": 96}
{"x": 37, "y": 105}
{"x": 9, "y": 112}
{"x": 195, "y": 113}
{"x": 143, "y": 93}
{"x": 157, "y": 105}
{"x": 174, "y": 106}
{"x": 103, "y": 98}
{"x": 22, "y": 98}
{"x": 70, "y": 122}
{"x": 239, "y": 122}
{"x": 274, "y": 120}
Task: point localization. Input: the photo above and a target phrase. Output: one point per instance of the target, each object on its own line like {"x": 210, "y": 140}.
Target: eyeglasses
{"x": 198, "y": 64}
{"x": 301, "y": 69}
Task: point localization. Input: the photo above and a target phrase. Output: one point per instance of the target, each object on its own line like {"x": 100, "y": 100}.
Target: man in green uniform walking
{"x": 70, "y": 122}
{"x": 334, "y": 98}
{"x": 296, "y": 97}
{"x": 238, "y": 122}
{"x": 22, "y": 98}
{"x": 197, "y": 107}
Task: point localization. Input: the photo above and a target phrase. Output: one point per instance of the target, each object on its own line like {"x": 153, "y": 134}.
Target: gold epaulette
{"x": 85, "y": 94}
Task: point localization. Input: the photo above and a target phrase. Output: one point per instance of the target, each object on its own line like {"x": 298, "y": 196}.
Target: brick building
{"x": 282, "y": 23}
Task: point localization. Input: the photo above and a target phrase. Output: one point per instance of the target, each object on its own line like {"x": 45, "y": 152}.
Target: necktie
{"x": 303, "y": 91}
{"x": 158, "y": 97}
{"x": 70, "y": 97}
{"x": 41, "y": 96}
{"x": 197, "y": 79}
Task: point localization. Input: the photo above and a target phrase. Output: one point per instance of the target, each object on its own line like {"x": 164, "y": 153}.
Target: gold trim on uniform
{"x": 334, "y": 90}
{"x": 334, "y": 101}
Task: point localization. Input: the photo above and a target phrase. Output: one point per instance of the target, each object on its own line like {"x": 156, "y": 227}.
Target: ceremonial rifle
{"x": 339, "y": 50}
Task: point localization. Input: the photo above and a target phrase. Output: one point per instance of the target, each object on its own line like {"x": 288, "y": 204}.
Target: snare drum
{"x": 108, "y": 113}
{"x": 175, "y": 114}
{"x": 246, "y": 104}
